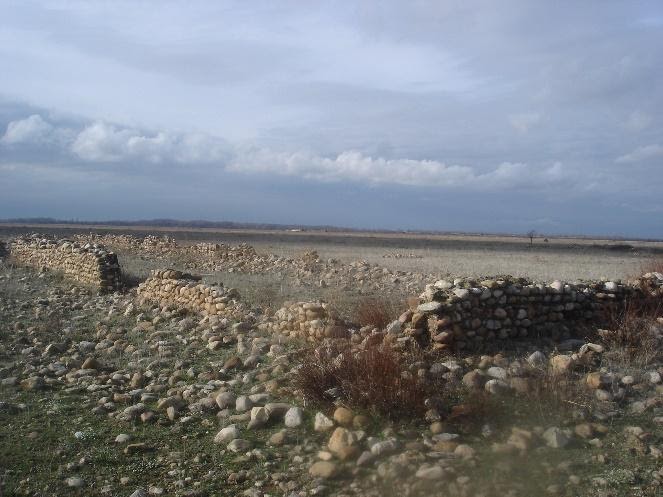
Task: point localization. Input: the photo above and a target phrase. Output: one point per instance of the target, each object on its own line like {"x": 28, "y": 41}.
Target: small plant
{"x": 371, "y": 311}
{"x": 631, "y": 332}
{"x": 374, "y": 379}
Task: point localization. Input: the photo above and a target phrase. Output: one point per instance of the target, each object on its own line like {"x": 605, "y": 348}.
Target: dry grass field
{"x": 567, "y": 259}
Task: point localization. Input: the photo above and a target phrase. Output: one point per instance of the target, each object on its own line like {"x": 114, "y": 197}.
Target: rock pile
{"x": 89, "y": 263}
{"x": 308, "y": 320}
{"x": 174, "y": 288}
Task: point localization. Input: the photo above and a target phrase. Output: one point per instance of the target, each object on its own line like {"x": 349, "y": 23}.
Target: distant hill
{"x": 202, "y": 224}
{"x": 176, "y": 223}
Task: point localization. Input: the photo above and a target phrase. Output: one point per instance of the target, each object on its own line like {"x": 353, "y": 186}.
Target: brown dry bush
{"x": 374, "y": 380}
{"x": 630, "y": 335}
{"x": 371, "y": 311}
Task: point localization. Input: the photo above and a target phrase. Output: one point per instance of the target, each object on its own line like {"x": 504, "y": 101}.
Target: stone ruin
{"x": 459, "y": 315}
{"x": 463, "y": 314}
{"x": 466, "y": 314}
{"x": 90, "y": 264}
{"x": 168, "y": 287}
{"x": 310, "y": 321}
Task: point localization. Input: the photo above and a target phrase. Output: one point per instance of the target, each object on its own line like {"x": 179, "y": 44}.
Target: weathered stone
{"x": 429, "y": 307}
{"x": 322, "y": 422}
{"x": 342, "y": 443}
{"x": 239, "y": 445}
{"x": 324, "y": 469}
{"x": 230, "y": 432}
{"x": 259, "y": 417}
{"x": 343, "y": 416}
{"x": 555, "y": 438}
{"x": 294, "y": 417}
{"x": 427, "y": 472}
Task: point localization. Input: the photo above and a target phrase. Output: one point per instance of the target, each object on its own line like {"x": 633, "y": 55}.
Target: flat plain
{"x": 456, "y": 255}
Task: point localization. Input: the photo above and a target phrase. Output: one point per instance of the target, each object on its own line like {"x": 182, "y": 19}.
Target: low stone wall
{"x": 308, "y": 320}
{"x": 467, "y": 314}
{"x": 169, "y": 287}
{"x": 87, "y": 263}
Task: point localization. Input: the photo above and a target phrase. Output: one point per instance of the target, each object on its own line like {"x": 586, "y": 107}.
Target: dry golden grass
{"x": 654, "y": 265}
{"x": 374, "y": 312}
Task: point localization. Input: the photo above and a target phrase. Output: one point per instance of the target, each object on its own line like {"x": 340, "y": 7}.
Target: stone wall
{"x": 469, "y": 314}
{"x": 169, "y": 287}
{"x": 307, "y": 320}
{"x": 87, "y": 263}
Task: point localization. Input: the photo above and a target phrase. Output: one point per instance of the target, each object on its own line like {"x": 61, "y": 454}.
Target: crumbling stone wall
{"x": 169, "y": 287}
{"x": 311, "y": 321}
{"x": 467, "y": 314}
{"x": 87, "y": 263}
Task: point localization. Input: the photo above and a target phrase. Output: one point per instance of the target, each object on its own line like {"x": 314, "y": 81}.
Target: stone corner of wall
{"x": 86, "y": 263}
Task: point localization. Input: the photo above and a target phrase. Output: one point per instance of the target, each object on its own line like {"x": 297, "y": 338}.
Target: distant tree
{"x": 531, "y": 234}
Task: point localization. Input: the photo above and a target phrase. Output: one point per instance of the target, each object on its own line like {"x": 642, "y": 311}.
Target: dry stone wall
{"x": 311, "y": 321}
{"x": 173, "y": 288}
{"x": 466, "y": 314}
{"x": 87, "y": 263}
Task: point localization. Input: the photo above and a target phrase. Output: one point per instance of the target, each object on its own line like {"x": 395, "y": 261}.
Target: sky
{"x": 475, "y": 116}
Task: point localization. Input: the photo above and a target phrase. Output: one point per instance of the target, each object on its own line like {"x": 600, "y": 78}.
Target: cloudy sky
{"x": 449, "y": 115}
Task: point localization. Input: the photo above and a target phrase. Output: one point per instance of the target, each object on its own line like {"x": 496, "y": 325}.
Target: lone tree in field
{"x": 531, "y": 234}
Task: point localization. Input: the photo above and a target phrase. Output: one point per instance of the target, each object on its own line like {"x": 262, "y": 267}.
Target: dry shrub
{"x": 371, "y": 311}
{"x": 654, "y": 265}
{"x": 553, "y": 395}
{"x": 374, "y": 379}
{"x": 631, "y": 335}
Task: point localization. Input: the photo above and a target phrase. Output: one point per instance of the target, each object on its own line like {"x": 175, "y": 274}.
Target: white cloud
{"x": 32, "y": 129}
{"x": 356, "y": 167}
{"x": 641, "y": 153}
{"x": 523, "y": 122}
{"x": 102, "y": 142}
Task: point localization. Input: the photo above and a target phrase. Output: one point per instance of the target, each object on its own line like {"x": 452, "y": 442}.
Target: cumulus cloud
{"x": 102, "y": 142}
{"x": 32, "y": 129}
{"x": 641, "y": 154}
{"x": 355, "y": 167}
